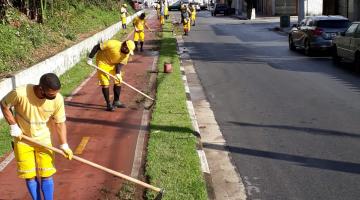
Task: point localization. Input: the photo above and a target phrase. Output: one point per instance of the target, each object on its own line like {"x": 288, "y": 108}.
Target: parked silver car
{"x": 316, "y": 32}
{"x": 347, "y": 45}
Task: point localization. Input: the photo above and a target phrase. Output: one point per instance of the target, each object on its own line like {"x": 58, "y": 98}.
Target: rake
{"x": 115, "y": 173}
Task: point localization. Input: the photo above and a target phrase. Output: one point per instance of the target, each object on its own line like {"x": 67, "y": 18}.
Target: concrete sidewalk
{"x": 106, "y": 138}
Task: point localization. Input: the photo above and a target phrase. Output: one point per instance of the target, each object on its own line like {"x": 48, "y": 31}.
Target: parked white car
{"x": 347, "y": 45}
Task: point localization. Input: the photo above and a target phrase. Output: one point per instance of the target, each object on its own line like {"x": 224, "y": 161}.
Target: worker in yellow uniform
{"x": 162, "y": 13}
{"x": 139, "y": 34}
{"x": 35, "y": 106}
{"x": 166, "y": 9}
{"x": 193, "y": 14}
{"x": 124, "y": 15}
{"x": 111, "y": 56}
{"x": 185, "y": 19}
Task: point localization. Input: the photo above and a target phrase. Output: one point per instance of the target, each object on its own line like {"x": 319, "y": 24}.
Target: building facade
{"x": 346, "y": 8}
{"x": 278, "y": 7}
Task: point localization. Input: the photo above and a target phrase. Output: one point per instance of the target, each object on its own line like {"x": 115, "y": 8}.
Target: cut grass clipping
{"x": 69, "y": 81}
{"x": 172, "y": 161}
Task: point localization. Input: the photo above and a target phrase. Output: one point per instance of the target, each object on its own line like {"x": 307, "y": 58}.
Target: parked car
{"x": 347, "y": 45}
{"x": 219, "y": 9}
{"x": 316, "y": 32}
{"x": 175, "y": 6}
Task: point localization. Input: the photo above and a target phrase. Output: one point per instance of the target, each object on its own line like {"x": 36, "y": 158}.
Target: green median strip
{"x": 172, "y": 161}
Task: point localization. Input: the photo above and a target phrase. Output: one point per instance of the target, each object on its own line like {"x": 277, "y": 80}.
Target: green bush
{"x": 65, "y": 20}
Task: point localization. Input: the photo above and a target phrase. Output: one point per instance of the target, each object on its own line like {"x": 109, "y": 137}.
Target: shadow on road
{"x": 308, "y": 130}
{"x": 318, "y": 163}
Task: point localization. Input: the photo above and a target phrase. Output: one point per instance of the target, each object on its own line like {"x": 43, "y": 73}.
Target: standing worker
{"x": 139, "y": 25}
{"x": 162, "y": 13}
{"x": 166, "y": 9}
{"x": 193, "y": 14}
{"x": 124, "y": 15}
{"x": 35, "y": 107}
{"x": 111, "y": 56}
{"x": 185, "y": 19}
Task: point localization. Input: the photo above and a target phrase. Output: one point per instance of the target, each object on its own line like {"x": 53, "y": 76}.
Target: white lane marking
{"x": 203, "y": 161}
{"x": 140, "y": 145}
{"x": 7, "y": 161}
{"x": 192, "y": 114}
{"x": 187, "y": 89}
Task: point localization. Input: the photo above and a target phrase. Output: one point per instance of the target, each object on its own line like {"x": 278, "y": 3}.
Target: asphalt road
{"x": 291, "y": 122}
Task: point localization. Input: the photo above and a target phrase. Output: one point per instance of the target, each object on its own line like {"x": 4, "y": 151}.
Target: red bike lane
{"x": 111, "y": 136}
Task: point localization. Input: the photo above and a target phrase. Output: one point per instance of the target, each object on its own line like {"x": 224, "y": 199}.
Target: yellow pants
{"x": 193, "y": 17}
{"x": 104, "y": 79}
{"x": 186, "y": 26}
{"x": 139, "y": 35}
{"x": 33, "y": 160}
{"x": 162, "y": 20}
{"x": 123, "y": 20}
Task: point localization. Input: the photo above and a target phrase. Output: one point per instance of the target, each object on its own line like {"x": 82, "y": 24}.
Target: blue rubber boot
{"x": 47, "y": 188}
{"x": 34, "y": 188}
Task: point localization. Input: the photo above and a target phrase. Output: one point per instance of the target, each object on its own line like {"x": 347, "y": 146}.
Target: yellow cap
{"x": 131, "y": 45}
{"x": 124, "y": 5}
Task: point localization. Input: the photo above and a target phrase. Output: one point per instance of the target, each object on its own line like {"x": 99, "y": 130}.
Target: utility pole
{"x": 301, "y": 10}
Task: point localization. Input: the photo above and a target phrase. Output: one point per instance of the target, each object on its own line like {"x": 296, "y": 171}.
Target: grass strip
{"x": 172, "y": 160}
{"x": 5, "y": 138}
{"x": 70, "y": 80}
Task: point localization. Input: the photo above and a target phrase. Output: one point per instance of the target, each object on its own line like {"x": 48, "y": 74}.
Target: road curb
{"x": 223, "y": 181}
{"x": 201, "y": 153}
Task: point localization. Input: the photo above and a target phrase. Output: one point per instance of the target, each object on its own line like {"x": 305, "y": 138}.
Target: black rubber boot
{"x": 109, "y": 108}
{"x": 141, "y": 46}
{"x": 117, "y": 92}
{"x": 136, "y": 46}
{"x": 106, "y": 94}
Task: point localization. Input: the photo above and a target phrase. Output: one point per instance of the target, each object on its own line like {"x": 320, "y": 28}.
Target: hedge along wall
{"x": 59, "y": 63}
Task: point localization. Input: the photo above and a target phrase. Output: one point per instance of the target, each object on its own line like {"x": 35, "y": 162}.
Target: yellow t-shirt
{"x": 32, "y": 113}
{"x": 110, "y": 53}
{"x": 139, "y": 23}
{"x": 123, "y": 12}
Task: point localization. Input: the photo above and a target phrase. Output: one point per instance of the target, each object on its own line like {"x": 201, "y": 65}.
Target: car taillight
{"x": 318, "y": 31}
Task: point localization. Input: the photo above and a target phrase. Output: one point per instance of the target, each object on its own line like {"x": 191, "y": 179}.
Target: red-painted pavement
{"x": 113, "y": 136}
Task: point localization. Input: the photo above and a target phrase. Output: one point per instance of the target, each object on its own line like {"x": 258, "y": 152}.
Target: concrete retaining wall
{"x": 59, "y": 63}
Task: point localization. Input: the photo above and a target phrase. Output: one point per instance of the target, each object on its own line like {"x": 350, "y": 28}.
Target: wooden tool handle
{"x": 115, "y": 173}
{"x": 130, "y": 86}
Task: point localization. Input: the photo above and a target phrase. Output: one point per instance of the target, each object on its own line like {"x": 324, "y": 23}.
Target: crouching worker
{"x": 34, "y": 107}
{"x": 111, "y": 56}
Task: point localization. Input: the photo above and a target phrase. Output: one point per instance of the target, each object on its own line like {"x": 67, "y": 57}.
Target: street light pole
{"x": 301, "y": 10}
